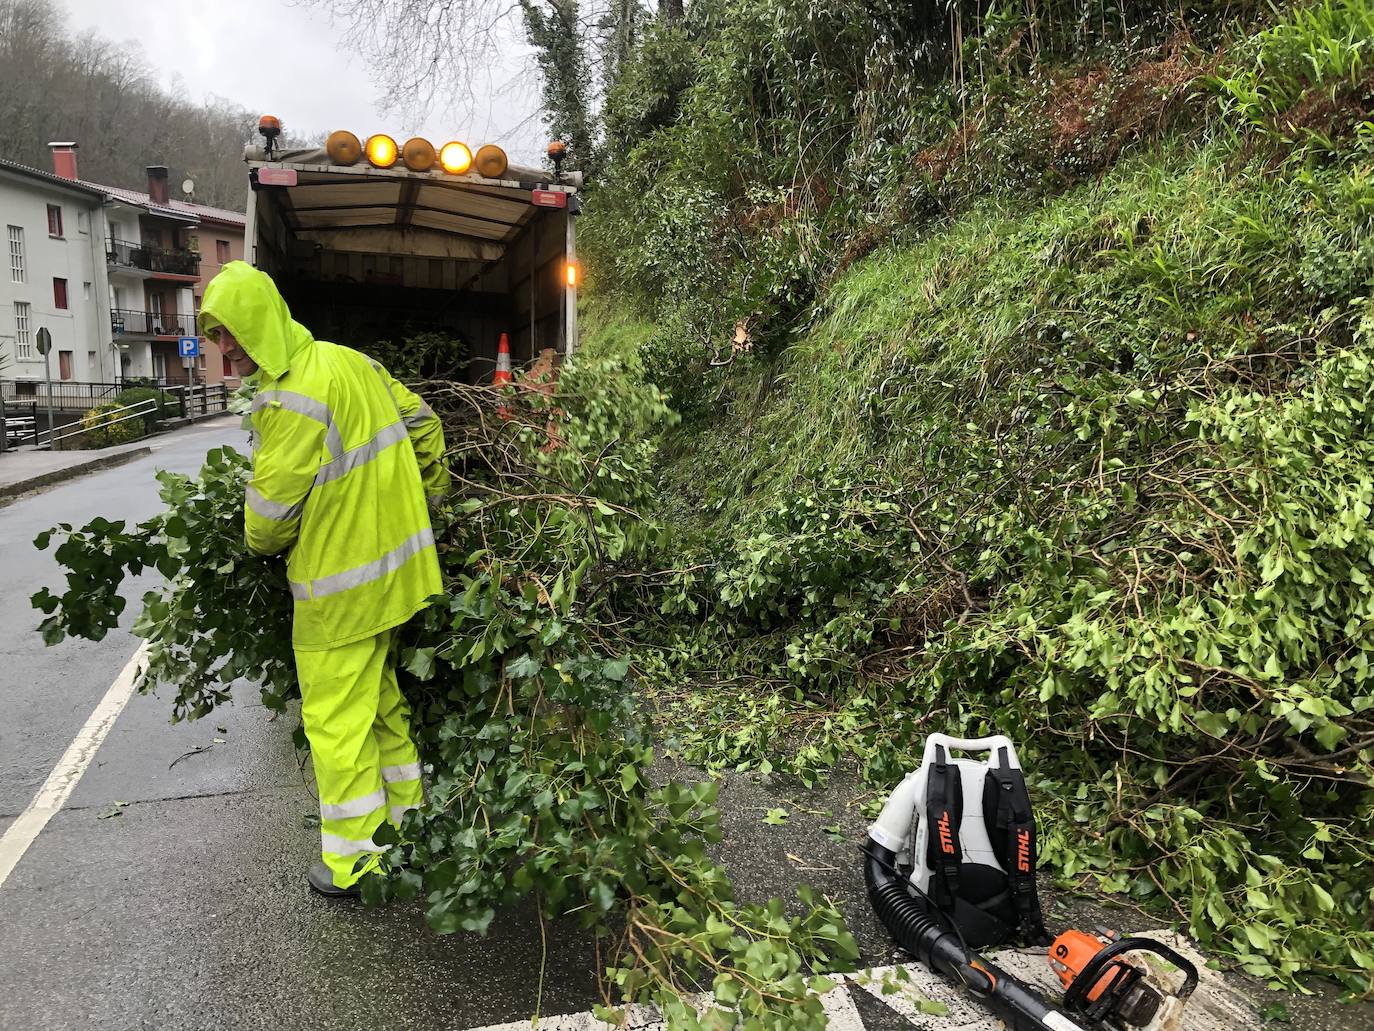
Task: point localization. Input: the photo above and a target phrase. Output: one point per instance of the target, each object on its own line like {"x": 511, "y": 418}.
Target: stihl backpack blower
{"x": 950, "y": 869}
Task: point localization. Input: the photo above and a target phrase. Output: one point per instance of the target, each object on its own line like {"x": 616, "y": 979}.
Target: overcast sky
{"x": 272, "y": 57}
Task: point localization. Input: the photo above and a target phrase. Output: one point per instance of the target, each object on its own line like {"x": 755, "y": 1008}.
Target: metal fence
{"x": 68, "y": 395}
{"x": 173, "y": 260}
{"x": 24, "y": 405}
{"x": 203, "y": 399}
{"x": 152, "y": 323}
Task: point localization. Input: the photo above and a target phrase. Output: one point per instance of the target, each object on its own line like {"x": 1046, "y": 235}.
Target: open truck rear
{"x": 368, "y": 242}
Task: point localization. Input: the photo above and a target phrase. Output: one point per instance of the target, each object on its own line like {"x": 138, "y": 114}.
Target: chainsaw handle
{"x": 1076, "y": 995}
{"x": 991, "y": 744}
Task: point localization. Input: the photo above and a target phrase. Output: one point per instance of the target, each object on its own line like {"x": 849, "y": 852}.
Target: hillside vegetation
{"x": 951, "y": 368}
{"x": 1024, "y": 367}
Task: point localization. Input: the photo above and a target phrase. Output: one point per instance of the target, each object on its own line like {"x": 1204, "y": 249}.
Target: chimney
{"x": 63, "y": 159}
{"x": 157, "y": 183}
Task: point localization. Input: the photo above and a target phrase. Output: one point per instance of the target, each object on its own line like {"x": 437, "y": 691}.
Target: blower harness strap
{"x": 1011, "y": 832}
{"x": 944, "y": 813}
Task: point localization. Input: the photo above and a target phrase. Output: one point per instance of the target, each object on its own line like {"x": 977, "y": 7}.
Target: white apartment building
{"x": 53, "y": 276}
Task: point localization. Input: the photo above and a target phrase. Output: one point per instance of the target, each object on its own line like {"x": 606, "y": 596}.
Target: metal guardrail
{"x": 202, "y": 399}
{"x": 21, "y": 419}
{"x": 17, "y": 427}
{"x": 116, "y": 417}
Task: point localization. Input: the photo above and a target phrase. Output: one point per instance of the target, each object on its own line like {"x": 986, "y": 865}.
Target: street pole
{"x": 45, "y": 346}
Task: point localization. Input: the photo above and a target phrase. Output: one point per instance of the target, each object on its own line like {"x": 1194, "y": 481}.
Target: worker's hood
{"x": 247, "y": 303}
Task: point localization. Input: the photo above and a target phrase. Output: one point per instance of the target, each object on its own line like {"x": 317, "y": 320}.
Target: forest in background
{"x": 57, "y": 85}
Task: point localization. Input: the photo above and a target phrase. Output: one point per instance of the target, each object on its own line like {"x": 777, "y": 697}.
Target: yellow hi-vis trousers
{"x": 366, "y": 766}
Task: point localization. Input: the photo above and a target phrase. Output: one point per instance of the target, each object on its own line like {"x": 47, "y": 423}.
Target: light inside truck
{"x": 455, "y": 157}
{"x": 343, "y": 147}
{"x": 418, "y": 154}
{"x": 381, "y": 151}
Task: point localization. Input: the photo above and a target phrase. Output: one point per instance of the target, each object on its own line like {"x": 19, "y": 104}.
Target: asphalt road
{"x": 170, "y": 890}
{"x": 175, "y": 897}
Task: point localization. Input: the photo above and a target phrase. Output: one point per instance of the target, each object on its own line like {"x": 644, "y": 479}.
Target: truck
{"x": 378, "y": 241}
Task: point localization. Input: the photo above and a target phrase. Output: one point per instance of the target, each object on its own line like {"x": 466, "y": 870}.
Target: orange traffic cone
{"x": 502, "y": 376}
{"x": 502, "y": 362}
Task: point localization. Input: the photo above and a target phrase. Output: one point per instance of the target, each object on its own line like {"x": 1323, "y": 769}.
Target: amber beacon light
{"x": 418, "y": 155}
{"x": 343, "y": 147}
{"x": 490, "y": 161}
{"x": 455, "y": 158}
{"x": 381, "y": 151}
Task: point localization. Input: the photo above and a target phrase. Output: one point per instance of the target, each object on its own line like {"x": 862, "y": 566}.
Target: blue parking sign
{"x": 189, "y": 347}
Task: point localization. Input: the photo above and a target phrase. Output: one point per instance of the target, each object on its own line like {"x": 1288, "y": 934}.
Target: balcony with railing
{"x": 132, "y": 322}
{"x": 176, "y": 261}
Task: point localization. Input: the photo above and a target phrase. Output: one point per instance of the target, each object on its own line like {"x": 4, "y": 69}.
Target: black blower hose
{"x": 941, "y": 950}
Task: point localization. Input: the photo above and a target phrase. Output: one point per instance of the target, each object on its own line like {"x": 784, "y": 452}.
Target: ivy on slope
{"x": 1095, "y": 473}
{"x": 538, "y": 754}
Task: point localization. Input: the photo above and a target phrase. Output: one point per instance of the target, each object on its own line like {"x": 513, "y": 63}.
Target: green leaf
{"x": 523, "y": 667}
{"x": 776, "y": 817}
{"x": 420, "y": 662}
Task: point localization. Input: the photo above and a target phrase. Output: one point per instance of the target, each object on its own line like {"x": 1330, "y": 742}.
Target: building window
{"x": 85, "y": 291}
{"x": 64, "y": 364}
{"x": 222, "y": 251}
{"x": 90, "y": 363}
{"x": 54, "y": 220}
{"x": 17, "y": 254}
{"x": 23, "y": 341}
{"x": 228, "y": 367}
{"x": 59, "y": 294}
{"x": 83, "y": 221}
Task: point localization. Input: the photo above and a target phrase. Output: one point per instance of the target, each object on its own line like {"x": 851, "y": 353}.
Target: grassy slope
{"x": 1180, "y": 274}
{"x": 1091, "y": 471}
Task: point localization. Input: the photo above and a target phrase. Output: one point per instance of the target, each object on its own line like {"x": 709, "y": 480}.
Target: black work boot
{"x": 322, "y": 882}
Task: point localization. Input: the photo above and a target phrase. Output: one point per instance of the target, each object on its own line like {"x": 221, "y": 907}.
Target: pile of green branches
{"x": 539, "y": 758}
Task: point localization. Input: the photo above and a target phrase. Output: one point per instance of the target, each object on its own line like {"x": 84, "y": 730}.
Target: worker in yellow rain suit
{"x": 343, "y": 458}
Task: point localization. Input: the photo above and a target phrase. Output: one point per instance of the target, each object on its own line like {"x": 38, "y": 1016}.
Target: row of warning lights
{"x": 417, "y": 154}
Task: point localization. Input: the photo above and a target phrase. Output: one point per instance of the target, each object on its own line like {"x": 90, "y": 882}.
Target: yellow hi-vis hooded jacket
{"x": 335, "y": 475}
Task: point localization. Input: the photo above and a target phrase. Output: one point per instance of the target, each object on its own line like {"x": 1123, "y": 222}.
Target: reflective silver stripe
{"x": 362, "y": 454}
{"x": 398, "y": 812}
{"x": 422, "y": 414}
{"x": 333, "y": 441}
{"x": 294, "y": 402}
{"x": 347, "y": 846}
{"x": 353, "y": 807}
{"x": 392, "y": 774}
{"x": 275, "y": 510}
{"x": 359, "y": 575}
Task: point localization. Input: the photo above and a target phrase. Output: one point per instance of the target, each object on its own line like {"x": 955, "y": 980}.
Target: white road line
{"x": 65, "y": 775}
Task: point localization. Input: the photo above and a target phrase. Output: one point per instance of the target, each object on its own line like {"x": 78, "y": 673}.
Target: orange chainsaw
{"x": 1103, "y": 983}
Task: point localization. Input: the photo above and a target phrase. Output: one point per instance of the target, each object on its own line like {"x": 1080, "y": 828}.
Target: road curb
{"x": 71, "y": 472}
